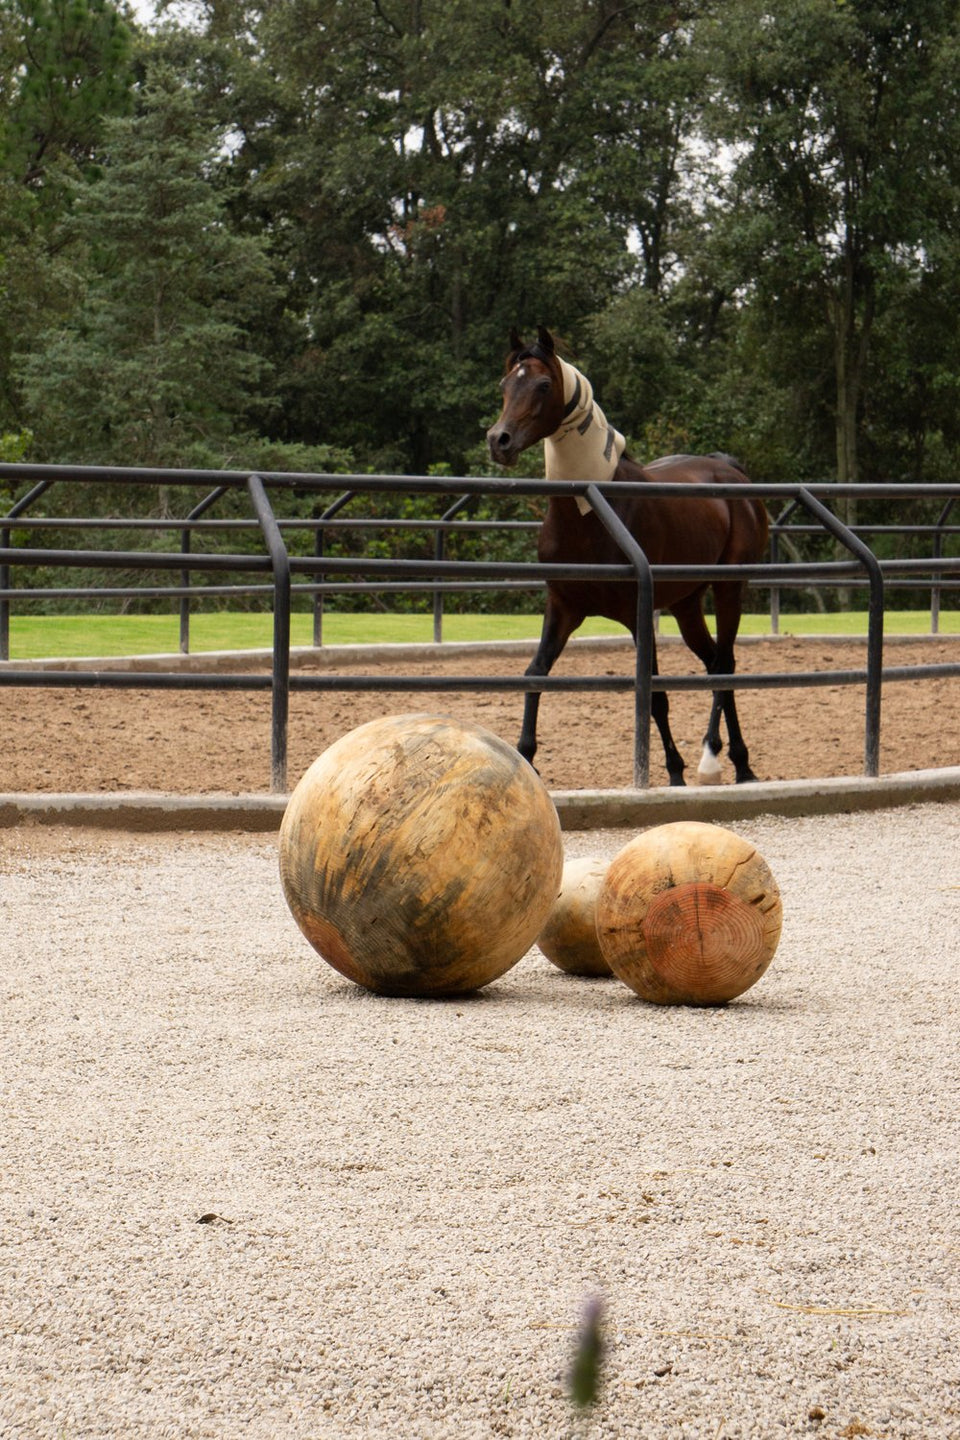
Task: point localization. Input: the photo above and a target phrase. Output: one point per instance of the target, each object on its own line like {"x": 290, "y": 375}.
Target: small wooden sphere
{"x": 420, "y": 855}
{"x": 569, "y": 937}
{"x": 689, "y": 914}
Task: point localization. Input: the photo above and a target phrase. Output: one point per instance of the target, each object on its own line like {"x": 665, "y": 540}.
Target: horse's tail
{"x": 756, "y": 505}
{"x": 729, "y": 460}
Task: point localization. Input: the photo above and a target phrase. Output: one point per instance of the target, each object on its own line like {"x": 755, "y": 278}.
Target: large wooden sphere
{"x": 420, "y": 855}
{"x": 689, "y": 914}
{"x": 569, "y": 937}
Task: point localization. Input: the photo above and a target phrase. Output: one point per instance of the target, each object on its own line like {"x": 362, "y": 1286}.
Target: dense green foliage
{"x": 296, "y": 235}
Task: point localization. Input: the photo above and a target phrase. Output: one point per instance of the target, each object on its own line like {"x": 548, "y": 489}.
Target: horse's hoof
{"x": 709, "y": 771}
{"x": 748, "y": 779}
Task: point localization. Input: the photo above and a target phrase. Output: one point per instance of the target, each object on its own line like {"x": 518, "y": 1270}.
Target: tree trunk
{"x": 847, "y": 375}
{"x": 851, "y": 338}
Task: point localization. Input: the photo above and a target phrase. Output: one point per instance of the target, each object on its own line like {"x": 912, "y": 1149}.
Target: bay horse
{"x": 546, "y": 398}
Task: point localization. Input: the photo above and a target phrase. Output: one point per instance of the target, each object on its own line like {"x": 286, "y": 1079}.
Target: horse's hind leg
{"x": 660, "y": 711}
{"x": 735, "y": 741}
{"x": 709, "y": 771}
{"x": 736, "y": 745}
{"x": 559, "y": 624}
{"x": 729, "y": 605}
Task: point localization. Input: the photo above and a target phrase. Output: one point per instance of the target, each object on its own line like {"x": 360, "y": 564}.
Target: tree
{"x": 158, "y": 359}
{"x": 912, "y": 402}
{"x": 432, "y": 175}
{"x": 76, "y": 72}
{"x": 65, "y": 68}
{"x": 844, "y": 123}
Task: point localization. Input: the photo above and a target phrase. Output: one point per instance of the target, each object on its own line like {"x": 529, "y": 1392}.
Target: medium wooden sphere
{"x": 569, "y": 937}
{"x": 420, "y": 855}
{"x": 689, "y": 914}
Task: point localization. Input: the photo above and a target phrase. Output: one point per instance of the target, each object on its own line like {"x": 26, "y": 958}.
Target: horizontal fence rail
{"x": 276, "y": 572}
{"x": 400, "y": 684}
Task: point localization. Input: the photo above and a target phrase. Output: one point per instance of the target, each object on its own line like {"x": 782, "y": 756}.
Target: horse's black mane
{"x": 535, "y": 351}
{"x": 544, "y": 348}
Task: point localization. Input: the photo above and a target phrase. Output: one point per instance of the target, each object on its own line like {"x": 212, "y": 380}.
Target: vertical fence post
{"x": 942, "y": 519}
{"x": 438, "y": 551}
{"x": 4, "y": 602}
{"x": 318, "y": 548}
{"x": 852, "y": 542}
{"x": 18, "y": 509}
{"x": 186, "y": 536}
{"x": 280, "y": 562}
{"x": 643, "y": 689}
{"x": 781, "y": 519}
{"x": 774, "y": 588}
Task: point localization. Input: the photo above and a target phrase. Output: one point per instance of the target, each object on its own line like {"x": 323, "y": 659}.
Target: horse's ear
{"x": 515, "y": 342}
{"x": 545, "y": 339}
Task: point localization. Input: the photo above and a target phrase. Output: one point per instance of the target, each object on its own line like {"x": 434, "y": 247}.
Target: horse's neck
{"x": 585, "y": 446}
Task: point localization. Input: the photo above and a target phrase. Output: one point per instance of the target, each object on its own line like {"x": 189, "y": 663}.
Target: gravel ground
{"x": 242, "y": 1197}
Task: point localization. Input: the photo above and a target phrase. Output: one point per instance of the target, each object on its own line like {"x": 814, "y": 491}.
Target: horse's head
{"x": 532, "y": 390}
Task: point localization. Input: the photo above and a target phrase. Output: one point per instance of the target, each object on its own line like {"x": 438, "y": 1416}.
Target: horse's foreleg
{"x": 660, "y": 710}
{"x": 527, "y": 743}
{"x": 558, "y": 626}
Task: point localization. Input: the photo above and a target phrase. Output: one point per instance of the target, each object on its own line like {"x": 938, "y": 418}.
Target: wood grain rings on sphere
{"x": 689, "y": 914}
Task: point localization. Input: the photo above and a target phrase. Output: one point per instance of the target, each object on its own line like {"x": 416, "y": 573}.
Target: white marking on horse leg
{"x": 709, "y": 771}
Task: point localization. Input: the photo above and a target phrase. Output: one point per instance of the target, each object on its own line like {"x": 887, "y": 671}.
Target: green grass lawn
{"x": 38, "y": 637}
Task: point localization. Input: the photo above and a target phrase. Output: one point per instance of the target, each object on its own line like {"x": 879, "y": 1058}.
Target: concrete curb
{"x": 329, "y": 657}
{"x": 578, "y": 809}
{"x": 602, "y": 809}
{"x": 307, "y": 657}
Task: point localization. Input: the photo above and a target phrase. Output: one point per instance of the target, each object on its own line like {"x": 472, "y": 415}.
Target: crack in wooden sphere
{"x": 420, "y": 855}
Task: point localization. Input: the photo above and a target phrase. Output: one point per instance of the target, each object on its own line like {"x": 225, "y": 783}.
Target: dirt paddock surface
{"x": 241, "y": 1196}
{"x": 202, "y": 742}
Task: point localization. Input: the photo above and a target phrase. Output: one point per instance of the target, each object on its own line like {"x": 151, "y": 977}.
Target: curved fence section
{"x": 273, "y": 571}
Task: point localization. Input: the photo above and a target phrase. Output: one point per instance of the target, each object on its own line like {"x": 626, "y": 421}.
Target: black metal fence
{"x": 274, "y": 571}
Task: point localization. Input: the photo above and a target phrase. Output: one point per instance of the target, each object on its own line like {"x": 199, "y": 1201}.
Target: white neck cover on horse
{"x": 585, "y": 445}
